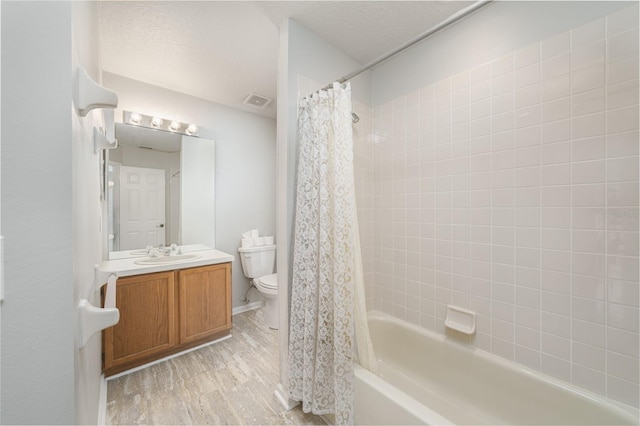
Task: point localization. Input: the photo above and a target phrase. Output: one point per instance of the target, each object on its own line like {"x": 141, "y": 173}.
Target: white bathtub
{"x": 425, "y": 378}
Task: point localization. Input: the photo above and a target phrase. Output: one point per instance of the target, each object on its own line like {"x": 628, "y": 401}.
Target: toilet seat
{"x": 269, "y": 281}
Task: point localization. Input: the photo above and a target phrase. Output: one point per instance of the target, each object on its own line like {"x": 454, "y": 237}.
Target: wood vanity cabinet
{"x": 166, "y": 312}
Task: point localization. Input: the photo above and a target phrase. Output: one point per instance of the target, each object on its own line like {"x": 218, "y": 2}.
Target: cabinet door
{"x": 205, "y": 301}
{"x": 147, "y": 323}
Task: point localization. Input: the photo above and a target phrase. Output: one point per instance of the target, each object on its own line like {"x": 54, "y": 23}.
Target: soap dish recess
{"x": 459, "y": 319}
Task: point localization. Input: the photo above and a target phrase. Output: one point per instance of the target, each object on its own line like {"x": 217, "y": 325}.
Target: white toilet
{"x": 258, "y": 264}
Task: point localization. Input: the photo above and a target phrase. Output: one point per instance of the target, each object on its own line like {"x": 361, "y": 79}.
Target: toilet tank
{"x": 258, "y": 261}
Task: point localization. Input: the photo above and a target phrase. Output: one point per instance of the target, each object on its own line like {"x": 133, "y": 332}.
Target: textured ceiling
{"x": 223, "y": 50}
{"x": 364, "y": 30}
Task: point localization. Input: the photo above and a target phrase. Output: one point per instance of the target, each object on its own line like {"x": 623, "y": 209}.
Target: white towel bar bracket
{"x": 90, "y": 95}
{"x": 92, "y": 319}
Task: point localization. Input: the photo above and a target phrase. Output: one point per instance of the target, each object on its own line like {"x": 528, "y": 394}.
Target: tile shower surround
{"x": 512, "y": 189}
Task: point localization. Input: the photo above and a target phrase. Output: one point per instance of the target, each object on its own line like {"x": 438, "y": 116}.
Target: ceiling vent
{"x": 257, "y": 101}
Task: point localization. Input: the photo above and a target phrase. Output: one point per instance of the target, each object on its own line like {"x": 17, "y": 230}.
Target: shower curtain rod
{"x": 450, "y": 20}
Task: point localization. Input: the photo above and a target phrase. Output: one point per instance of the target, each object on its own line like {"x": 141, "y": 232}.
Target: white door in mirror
{"x": 142, "y": 209}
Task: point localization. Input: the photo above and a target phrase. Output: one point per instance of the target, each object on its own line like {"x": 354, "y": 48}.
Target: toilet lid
{"x": 269, "y": 281}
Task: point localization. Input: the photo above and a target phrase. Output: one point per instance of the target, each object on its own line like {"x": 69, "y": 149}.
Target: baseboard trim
{"x": 248, "y": 307}
{"x": 168, "y": 357}
{"x": 281, "y": 395}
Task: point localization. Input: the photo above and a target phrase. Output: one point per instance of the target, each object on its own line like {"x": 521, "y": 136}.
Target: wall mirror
{"x": 160, "y": 191}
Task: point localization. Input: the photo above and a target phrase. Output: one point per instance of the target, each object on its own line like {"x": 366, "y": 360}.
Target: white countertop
{"x": 127, "y": 266}
{"x": 126, "y": 254}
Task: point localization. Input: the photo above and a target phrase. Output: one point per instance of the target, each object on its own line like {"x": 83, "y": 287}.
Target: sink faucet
{"x": 173, "y": 249}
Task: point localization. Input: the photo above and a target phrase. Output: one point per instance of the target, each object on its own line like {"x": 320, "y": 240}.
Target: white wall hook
{"x": 92, "y": 319}
{"x": 90, "y": 95}
{"x": 102, "y": 141}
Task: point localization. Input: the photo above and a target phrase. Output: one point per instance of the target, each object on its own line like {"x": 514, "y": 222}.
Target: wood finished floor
{"x": 227, "y": 383}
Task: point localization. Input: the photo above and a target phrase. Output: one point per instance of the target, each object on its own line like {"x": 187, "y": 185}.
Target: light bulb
{"x": 135, "y": 118}
{"x": 156, "y": 121}
{"x": 192, "y": 129}
{"x": 174, "y": 126}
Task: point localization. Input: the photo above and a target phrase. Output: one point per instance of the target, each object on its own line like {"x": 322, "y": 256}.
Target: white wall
{"x": 312, "y": 64}
{"x": 1, "y": 243}
{"x": 245, "y": 153}
{"x": 478, "y": 39}
{"x": 86, "y": 212}
{"x": 506, "y": 181}
{"x": 38, "y": 327}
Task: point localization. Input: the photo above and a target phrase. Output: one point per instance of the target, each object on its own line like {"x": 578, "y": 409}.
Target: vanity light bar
{"x": 159, "y": 123}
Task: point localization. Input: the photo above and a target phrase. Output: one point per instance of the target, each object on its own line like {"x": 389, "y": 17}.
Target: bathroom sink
{"x": 163, "y": 260}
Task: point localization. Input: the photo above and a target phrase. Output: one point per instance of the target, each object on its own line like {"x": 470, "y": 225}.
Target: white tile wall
{"x": 512, "y": 189}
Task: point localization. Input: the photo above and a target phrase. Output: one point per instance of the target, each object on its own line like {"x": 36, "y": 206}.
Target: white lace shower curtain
{"x": 326, "y": 272}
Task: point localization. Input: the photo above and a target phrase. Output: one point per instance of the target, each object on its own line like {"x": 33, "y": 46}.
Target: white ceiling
{"x": 223, "y": 50}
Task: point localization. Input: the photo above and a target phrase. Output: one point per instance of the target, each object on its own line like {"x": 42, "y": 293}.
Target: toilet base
{"x": 268, "y": 314}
